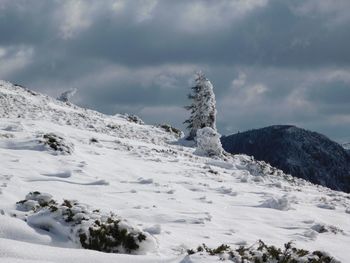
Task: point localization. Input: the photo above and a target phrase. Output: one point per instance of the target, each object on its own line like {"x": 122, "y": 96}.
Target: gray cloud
{"x": 270, "y": 61}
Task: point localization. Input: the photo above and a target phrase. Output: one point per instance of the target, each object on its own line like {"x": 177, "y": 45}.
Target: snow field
{"x": 141, "y": 174}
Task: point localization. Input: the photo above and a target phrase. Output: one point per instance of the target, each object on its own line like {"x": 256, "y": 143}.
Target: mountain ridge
{"x": 302, "y": 153}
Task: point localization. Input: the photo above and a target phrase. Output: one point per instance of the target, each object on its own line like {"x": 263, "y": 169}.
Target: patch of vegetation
{"x": 113, "y": 126}
{"x": 170, "y": 129}
{"x": 6, "y": 135}
{"x": 57, "y": 143}
{"x": 27, "y": 90}
{"x": 262, "y": 253}
{"x": 109, "y": 237}
{"x": 322, "y": 228}
{"x": 88, "y": 227}
{"x": 35, "y": 201}
{"x": 134, "y": 119}
{"x": 93, "y": 140}
{"x": 213, "y": 171}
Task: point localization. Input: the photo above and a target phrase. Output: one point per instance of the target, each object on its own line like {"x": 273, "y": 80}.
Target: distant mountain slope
{"x": 301, "y": 153}
{"x": 346, "y": 146}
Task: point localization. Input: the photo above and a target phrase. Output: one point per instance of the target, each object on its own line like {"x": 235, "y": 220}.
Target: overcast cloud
{"x": 270, "y": 61}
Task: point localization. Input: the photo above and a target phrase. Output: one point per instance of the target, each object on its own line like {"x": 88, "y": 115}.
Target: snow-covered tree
{"x": 67, "y": 95}
{"x": 202, "y": 109}
{"x": 208, "y": 142}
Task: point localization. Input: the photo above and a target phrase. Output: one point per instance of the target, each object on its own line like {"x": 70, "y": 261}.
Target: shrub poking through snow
{"x": 134, "y": 119}
{"x": 57, "y": 143}
{"x": 168, "y": 128}
{"x": 322, "y": 228}
{"x": 261, "y": 253}
{"x": 208, "y": 142}
{"x": 75, "y": 221}
{"x": 93, "y": 140}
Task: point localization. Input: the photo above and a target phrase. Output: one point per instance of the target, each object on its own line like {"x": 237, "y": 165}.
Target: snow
{"x": 208, "y": 142}
{"x": 346, "y": 146}
{"x": 279, "y": 203}
{"x": 141, "y": 174}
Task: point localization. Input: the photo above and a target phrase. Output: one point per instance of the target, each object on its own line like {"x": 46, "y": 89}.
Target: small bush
{"x": 91, "y": 229}
{"x": 6, "y": 135}
{"x": 262, "y": 253}
{"x": 109, "y": 237}
{"x": 322, "y": 228}
{"x": 134, "y": 119}
{"x": 93, "y": 140}
{"x": 57, "y": 143}
{"x": 170, "y": 129}
{"x": 113, "y": 126}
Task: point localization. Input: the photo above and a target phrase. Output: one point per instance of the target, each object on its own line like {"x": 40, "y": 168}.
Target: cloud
{"x": 74, "y": 17}
{"x": 201, "y": 16}
{"x": 313, "y": 99}
{"x": 334, "y": 12}
{"x": 270, "y": 61}
{"x": 14, "y": 59}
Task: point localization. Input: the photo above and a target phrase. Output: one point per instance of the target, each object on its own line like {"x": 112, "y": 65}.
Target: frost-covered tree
{"x": 202, "y": 109}
{"x": 67, "y": 95}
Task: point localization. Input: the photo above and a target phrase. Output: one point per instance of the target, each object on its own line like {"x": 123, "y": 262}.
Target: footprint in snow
{"x": 14, "y": 128}
{"x": 142, "y": 180}
{"x": 204, "y": 200}
{"x": 230, "y": 232}
{"x": 226, "y": 191}
{"x": 308, "y": 235}
{"x": 65, "y": 174}
{"x": 153, "y": 230}
{"x": 4, "y": 180}
{"x": 196, "y": 221}
{"x": 326, "y": 206}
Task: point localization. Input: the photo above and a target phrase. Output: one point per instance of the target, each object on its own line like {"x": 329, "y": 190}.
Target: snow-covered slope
{"x": 144, "y": 175}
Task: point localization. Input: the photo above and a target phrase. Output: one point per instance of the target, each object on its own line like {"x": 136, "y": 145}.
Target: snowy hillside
{"x": 177, "y": 199}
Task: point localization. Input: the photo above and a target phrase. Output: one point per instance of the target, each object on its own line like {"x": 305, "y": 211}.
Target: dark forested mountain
{"x": 347, "y": 147}
{"x": 297, "y": 151}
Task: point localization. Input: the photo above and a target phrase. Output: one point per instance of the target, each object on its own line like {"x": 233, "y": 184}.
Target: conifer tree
{"x": 202, "y": 108}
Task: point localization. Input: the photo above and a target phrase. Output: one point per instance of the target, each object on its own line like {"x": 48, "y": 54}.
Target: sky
{"x": 270, "y": 61}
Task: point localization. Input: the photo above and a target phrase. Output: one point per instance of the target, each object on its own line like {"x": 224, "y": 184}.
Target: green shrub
{"x": 262, "y": 253}
{"x": 88, "y": 227}
{"x": 57, "y": 143}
